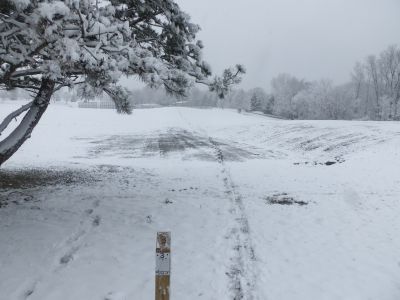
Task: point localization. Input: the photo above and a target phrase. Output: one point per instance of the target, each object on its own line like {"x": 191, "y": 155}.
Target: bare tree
{"x": 358, "y": 77}
{"x": 389, "y": 71}
{"x": 373, "y": 74}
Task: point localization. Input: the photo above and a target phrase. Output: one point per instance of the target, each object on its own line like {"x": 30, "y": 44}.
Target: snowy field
{"x": 258, "y": 208}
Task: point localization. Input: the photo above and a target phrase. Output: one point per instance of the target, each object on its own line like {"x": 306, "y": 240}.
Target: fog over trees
{"x": 372, "y": 93}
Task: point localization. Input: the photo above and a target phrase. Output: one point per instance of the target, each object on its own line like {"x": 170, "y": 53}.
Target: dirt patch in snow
{"x": 190, "y": 145}
{"x": 336, "y": 160}
{"x": 284, "y": 199}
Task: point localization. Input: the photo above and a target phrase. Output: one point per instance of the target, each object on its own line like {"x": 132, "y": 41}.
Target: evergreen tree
{"x": 255, "y": 103}
{"x": 49, "y": 44}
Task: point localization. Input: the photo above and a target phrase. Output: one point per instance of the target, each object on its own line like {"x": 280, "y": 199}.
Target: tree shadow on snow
{"x": 15, "y": 183}
{"x": 30, "y": 178}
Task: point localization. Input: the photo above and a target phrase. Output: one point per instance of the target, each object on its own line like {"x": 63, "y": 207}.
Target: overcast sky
{"x": 311, "y": 39}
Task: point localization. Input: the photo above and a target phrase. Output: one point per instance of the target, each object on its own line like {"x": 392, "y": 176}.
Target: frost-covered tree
{"x": 389, "y": 71}
{"x": 322, "y": 100}
{"x": 371, "y": 66}
{"x": 269, "y": 105}
{"x": 313, "y": 102}
{"x": 284, "y": 88}
{"x": 376, "y": 83}
{"x": 89, "y": 44}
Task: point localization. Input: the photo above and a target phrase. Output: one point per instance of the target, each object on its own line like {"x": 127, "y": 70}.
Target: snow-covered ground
{"x": 258, "y": 208}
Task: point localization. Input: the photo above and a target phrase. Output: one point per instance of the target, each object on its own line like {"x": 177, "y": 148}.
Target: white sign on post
{"x": 163, "y": 264}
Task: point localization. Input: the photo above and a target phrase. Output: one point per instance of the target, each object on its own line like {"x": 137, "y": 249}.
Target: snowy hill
{"x": 258, "y": 208}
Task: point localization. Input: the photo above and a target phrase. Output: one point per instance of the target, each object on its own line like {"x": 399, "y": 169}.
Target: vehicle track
{"x": 243, "y": 271}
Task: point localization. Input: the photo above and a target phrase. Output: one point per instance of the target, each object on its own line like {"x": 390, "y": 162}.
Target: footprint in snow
{"x": 115, "y": 296}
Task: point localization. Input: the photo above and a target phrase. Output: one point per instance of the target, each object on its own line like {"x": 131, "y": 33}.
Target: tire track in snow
{"x": 243, "y": 270}
{"x": 242, "y": 273}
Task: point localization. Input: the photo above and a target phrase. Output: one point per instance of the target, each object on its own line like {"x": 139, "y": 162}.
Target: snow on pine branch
{"x": 100, "y": 41}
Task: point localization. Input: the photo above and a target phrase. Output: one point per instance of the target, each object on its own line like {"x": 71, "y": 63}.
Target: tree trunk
{"x": 14, "y": 141}
{"x": 396, "y": 103}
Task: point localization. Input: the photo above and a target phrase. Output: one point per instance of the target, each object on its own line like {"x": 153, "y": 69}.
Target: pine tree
{"x": 49, "y": 44}
{"x": 255, "y": 103}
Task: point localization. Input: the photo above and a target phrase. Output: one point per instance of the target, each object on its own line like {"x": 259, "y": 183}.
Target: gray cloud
{"x": 308, "y": 38}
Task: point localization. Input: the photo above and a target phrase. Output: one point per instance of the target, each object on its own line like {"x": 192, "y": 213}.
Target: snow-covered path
{"x": 258, "y": 208}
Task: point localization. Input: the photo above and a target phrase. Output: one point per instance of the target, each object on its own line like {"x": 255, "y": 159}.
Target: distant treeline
{"x": 372, "y": 93}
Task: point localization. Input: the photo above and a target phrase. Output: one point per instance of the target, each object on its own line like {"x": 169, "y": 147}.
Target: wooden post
{"x": 163, "y": 265}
